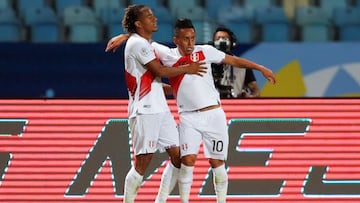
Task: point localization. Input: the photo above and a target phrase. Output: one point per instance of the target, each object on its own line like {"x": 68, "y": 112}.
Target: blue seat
{"x": 165, "y": 32}
{"x": 328, "y": 6}
{"x": 346, "y": 16}
{"x": 350, "y": 33}
{"x": 79, "y": 14}
{"x": 151, "y": 4}
{"x": 163, "y": 14}
{"x": 315, "y": 33}
{"x": 111, "y": 15}
{"x": 5, "y": 4}
{"x": 310, "y": 15}
{"x": 60, "y": 5}
{"x": 173, "y": 5}
{"x": 276, "y": 32}
{"x": 36, "y": 15}
{"x": 112, "y": 20}
{"x": 22, "y": 5}
{"x": 10, "y": 29}
{"x": 84, "y": 33}
{"x": 204, "y": 31}
{"x": 234, "y": 13}
{"x": 214, "y": 6}
{"x": 82, "y": 23}
{"x": 347, "y": 21}
{"x": 270, "y": 14}
{"x": 100, "y": 5}
{"x": 275, "y": 26}
{"x": 314, "y": 24}
{"x": 193, "y": 13}
{"x": 114, "y": 29}
{"x": 43, "y": 24}
{"x": 45, "y": 33}
{"x": 243, "y": 30}
{"x": 254, "y": 4}
{"x": 240, "y": 20}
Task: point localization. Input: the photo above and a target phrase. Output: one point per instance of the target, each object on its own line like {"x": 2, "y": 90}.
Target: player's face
{"x": 185, "y": 40}
{"x": 147, "y": 20}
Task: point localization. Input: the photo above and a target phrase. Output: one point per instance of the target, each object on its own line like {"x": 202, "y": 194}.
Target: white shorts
{"x": 152, "y": 132}
{"x": 208, "y": 127}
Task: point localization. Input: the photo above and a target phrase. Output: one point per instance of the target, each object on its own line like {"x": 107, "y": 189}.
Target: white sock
{"x": 133, "y": 182}
{"x": 220, "y": 179}
{"x": 185, "y": 182}
{"x": 168, "y": 181}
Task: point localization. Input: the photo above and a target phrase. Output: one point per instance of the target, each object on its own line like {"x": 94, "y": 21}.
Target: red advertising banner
{"x": 281, "y": 150}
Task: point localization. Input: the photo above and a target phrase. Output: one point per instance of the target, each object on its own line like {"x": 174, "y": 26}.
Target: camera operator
{"x": 232, "y": 82}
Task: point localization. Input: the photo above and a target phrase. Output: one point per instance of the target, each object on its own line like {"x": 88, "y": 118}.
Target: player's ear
{"x": 137, "y": 24}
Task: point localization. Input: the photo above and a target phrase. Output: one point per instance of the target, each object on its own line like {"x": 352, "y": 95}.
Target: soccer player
{"x": 201, "y": 117}
{"x": 152, "y": 125}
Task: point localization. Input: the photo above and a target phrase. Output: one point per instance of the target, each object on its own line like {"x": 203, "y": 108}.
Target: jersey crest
{"x": 184, "y": 60}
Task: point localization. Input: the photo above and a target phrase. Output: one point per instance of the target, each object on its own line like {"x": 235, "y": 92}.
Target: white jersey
{"x": 192, "y": 92}
{"x": 146, "y": 95}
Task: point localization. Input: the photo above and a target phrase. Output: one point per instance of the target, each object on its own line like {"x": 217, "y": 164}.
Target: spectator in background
{"x": 232, "y": 82}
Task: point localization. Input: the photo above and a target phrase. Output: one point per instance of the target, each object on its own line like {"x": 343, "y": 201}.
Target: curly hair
{"x": 132, "y": 14}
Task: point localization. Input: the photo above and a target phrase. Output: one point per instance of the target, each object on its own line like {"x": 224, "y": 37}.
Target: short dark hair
{"x": 233, "y": 39}
{"x": 182, "y": 23}
{"x": 132, "y": 14}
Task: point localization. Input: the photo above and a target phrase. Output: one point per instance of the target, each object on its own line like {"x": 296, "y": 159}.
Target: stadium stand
{"x": 241, "y": 21}
{"x": 328, "y": 6}
{"x": 112, "y": 21}
{"x": 10, "y": 29}
{"x": 254, "y": 4}
{"x": 214, "y": 6}
{"x": 313, "y": 24}
{"x": 274, "y": 24}
{"x": 347, "y": 22}
{"x": 245, "y": 17}
{"x": 165, "y": 24}
{"x": 42, "y": 23}
{"x": 101, "y": 6}
{"x": 151, "y": 4}
{"x": 60, "y": 5}
{"x": 22, "y": 5}
{"x": 5, "y": 4}
{"x": 173, "y": 5}
{"x": 82, "y": 24}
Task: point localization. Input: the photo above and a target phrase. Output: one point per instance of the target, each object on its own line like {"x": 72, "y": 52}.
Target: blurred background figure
{"x": 232, "y": 82}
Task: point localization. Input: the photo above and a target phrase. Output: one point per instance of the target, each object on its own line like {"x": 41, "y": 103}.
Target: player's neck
{"x": 144, "y": 34}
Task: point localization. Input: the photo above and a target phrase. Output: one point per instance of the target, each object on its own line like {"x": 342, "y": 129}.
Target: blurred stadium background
{"x": 54, "y": 48}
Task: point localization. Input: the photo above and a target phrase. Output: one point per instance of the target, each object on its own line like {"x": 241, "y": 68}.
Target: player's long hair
{"x": 132, "y": 14}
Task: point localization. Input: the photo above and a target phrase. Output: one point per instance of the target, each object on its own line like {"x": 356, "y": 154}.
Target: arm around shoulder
{"x": 116, "y": 41}
{"x": 164, "y": 71}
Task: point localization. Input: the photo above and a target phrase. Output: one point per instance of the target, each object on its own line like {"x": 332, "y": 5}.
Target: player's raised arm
{"x": 241, "y": 62}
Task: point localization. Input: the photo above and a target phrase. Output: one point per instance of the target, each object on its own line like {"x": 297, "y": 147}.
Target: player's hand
{"x": 268, "y": 74}
{"x": 115, "y": 42}
{"x": 197, "y": 68}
